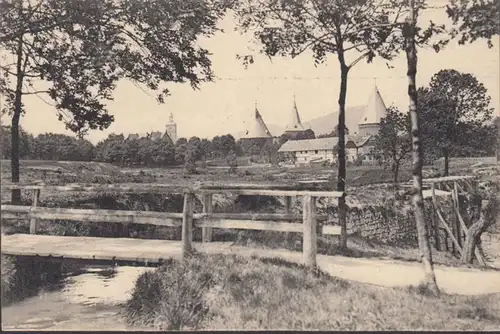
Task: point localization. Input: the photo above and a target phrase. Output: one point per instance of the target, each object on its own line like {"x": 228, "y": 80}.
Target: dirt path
{"x": 389, "y": 273}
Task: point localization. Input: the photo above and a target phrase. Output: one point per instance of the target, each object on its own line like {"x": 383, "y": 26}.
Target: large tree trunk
{"x": 14, "y": 157}
{"x": 474, "y": 233}
{"x": 418, "y": 202}
{"x": 341, "y": 175}
{"x": 446, "y": 156}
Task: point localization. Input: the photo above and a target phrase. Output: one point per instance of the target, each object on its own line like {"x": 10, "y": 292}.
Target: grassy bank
{"x": 8, "y": 274}
{"x": 228, "y": 292}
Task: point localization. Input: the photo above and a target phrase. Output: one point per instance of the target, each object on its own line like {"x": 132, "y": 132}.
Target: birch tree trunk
{"x": 418, "y": 201}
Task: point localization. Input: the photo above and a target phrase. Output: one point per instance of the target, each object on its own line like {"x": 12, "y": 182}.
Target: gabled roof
{"x": 375, "y": 109}
{"x": 309, "y": 144}
{"x": 294, "y": 123}
{"x": 321, "y": 143}
{"x": 258, "y": 129}
{"x": 359, "y": 141}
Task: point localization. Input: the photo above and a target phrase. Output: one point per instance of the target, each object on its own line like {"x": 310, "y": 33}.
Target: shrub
{"x": 8, "y": 273}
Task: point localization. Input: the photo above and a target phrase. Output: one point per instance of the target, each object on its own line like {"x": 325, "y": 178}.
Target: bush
{"x": 8, "y": 274}
{"x": 184, "y": 295}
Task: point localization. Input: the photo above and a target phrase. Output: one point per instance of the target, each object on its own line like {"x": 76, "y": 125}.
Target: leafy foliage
{"x": 393, "y": 142}
{"x": 454, "y": 111}
{"x": 474, "y": 19}
{"x": 25, "y": 144}
{"x": 300, "y": 135}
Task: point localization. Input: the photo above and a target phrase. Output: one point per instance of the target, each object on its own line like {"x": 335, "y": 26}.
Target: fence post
{"x": 187, "y": 225}
{"x": 206, "y": 232}
{"x": 34, "y": 203}
{"x": 435, "y": 226}
{"x": 309, "y": 244}
{"x": 456, "y": 223}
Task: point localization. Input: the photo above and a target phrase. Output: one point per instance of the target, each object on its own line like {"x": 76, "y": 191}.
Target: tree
{"x": 232, "y": 162}
{"x": 393, "y": 142}
{"x": 110, "y": 149}
{"x": 290, "y": 27}
{"x": 410, "y": 34}
{"x": 75, "y": 52}
{"x": 180, "y": 150}
{"x": 454, "y": 109}
{"x": 26, "y": 143}
{"x": 300, "y": 135}
{"x": 474, "y": 19}
{"x": 196, "y": 146}
{"x": 334, "y": 133}
{"x": 473, "y": 237}
{"x": 206, "y": 148}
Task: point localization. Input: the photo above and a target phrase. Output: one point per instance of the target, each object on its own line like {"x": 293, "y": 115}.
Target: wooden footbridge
{"x": 154, "y": 251}
{"x": 140, "y": 251}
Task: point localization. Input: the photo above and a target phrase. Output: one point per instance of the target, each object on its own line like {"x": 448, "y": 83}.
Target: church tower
{"x": 369, "y": 124}
{"x": 258, "y": 128}
{"x": 172, "y": 129}
{"x": 294, "y": 124}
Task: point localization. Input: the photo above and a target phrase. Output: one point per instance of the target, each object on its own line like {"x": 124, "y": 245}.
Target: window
{"x": 316, "y": 152}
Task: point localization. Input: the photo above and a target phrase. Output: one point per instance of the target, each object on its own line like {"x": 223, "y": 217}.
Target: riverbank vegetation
{"x": 229, "y": 292}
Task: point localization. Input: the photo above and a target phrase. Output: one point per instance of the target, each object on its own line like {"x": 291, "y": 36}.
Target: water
{"x": 89, "y": 300}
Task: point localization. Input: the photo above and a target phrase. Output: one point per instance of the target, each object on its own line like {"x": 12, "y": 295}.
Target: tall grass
{"x": 228, "y": 292}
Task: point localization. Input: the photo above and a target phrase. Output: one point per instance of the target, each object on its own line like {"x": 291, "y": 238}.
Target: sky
{"x": 227, "y": 104}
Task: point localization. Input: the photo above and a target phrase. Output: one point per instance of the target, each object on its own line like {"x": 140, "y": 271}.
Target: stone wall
{"x": 377, "y": 224}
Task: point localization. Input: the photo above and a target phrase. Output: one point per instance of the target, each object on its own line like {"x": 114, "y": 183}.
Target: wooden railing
{"x": 188, "y": 219}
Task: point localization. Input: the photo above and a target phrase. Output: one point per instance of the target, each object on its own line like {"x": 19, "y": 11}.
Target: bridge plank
{"x": 89, "y": 248}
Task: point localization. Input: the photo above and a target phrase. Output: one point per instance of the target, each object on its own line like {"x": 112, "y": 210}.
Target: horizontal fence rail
{"x": 187, "y": 220}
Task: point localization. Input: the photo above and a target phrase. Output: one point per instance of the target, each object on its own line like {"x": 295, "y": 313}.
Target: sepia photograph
{"x": 250, "y": 165}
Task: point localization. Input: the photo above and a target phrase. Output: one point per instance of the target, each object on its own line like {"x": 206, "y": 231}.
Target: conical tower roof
{"x": 258, "y": 129}
{"x": 294, "y": 123}
{"x": 375, "y": 109}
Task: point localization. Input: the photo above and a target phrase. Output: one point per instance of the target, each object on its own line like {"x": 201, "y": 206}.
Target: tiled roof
{"x": 320, "y": 143}
{"x": 309, "y": 144}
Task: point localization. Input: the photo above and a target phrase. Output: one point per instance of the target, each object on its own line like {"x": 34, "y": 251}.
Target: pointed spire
{"x": 294, "y": 123}
{"x": 259, "y": 128}
{"x": 375, "y": 109}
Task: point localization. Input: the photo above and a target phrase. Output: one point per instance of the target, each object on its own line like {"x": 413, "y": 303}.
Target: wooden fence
{"x": 188, "y": 219}
{"x": 456, "y": 229}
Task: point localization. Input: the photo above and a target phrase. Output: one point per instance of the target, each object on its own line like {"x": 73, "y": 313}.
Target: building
{"x": 325, "y": 149}
{"x": 257, "y": 128}
{"x": 171, "y": 129}
{"x": 362, "y": 120}
{"x": 171, "y": 132}
{"x": 257, "y": 136}
{"x": 294, "y": 124}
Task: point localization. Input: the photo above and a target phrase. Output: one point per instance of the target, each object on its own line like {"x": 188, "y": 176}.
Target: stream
{"x": 89, "y": 299}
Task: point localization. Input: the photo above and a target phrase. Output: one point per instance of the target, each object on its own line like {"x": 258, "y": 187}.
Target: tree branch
{"x": 357, "y": 60}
